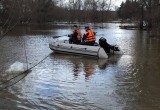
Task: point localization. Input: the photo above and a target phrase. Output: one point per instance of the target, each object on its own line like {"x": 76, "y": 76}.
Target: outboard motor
{"x": 103, "y": 43}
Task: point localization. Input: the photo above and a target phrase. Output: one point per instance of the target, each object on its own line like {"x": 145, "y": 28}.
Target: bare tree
{"x": 91, "y": 7}
{"x": 42, "y": 11}
{"x": 10, "y": 14}
{"x": 104, "y": 6}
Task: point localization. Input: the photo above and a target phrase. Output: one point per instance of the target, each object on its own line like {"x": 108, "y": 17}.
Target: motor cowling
{"x": 103, "y": 43}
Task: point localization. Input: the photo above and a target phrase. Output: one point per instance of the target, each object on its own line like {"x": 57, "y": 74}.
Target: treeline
{"x": 23, "y": 11}
{"x": 147, "y": 12}
{"x": 42, "y": 11}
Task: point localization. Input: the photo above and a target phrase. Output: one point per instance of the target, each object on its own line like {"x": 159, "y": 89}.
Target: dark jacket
{"x": 73, "y": 38}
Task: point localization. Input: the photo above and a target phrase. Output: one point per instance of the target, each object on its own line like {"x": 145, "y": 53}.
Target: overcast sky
{"x": 114, "y": 3}
{"x": 118, "y": 2}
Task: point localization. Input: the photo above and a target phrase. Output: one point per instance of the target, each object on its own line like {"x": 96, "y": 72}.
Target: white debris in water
{"x": 16, "y": 67}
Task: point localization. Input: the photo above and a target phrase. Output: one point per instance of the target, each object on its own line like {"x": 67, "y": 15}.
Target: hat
{"x": 86, "y": 27}
{"x": 102, "y": 39}
{"x": 75, "y": 26}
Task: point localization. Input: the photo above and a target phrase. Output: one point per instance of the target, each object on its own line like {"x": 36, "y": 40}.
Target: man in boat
{"x": 75, "y": 37}
{"x": 89, "y": 37}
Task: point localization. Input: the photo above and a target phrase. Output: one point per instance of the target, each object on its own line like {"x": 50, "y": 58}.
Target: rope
{"x": 8, "y": 30}
{"x": 16, "y": 81}
{"x": 25, "y": 52}
{"x": 27, "y": 71}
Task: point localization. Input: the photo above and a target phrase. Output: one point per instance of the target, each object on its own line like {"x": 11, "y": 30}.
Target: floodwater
{"x": 66, "y": 82}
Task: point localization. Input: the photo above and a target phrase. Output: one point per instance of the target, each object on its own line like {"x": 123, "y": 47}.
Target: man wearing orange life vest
{"x": 89, "y": 37}
{"x": 75, "y": 37}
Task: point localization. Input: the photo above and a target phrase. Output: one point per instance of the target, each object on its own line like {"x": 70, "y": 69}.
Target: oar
{"x": 56, "y": 36}
{"x": 59, "y": 36}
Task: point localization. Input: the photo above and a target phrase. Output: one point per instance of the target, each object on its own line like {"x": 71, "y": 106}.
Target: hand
{"x": 69, "y": 35}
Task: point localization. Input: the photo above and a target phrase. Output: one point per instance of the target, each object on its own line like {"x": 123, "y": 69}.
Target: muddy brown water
{"x": 66, "y": 82}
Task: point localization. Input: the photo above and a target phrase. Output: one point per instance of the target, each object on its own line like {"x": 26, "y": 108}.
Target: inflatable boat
{"x": 63, "y": 46}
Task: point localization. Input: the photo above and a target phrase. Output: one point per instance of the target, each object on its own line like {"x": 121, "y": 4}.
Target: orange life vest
{"x": 79, "y": 36}
{"x": 91, "y": 37}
